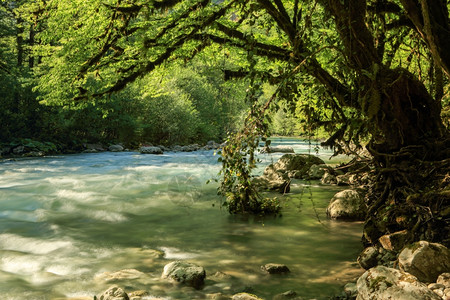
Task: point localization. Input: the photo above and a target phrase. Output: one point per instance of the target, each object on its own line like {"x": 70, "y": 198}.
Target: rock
{"x": 343, "y": 179}
{"x": 272, "y": 180}
{"x": 394, "y": 241}
{"x": 317, "y": 171}
{"x": 94, "y": 147}
{"x": 436, "y": 286}
{"x": 425, "y": 260}
{"x": 446, "y": 294}
{"x": 34, "y": 154}
{"x": 18, "y": 150}
{"x": 328, "y": 178}
{"x": 217, "y": 296}
{"x": 285, "y": 295}
{"x": 297, "y": 165}
{"x": 115, "y": 148}
{"x": 190, "y": 148}
{"x": 368, "y": 258}
{"x": 113, "y": 293}
{"x": 221, "y": 276}
{"x": 275, "y": 269}
{"x": 150, "y": 150}
{"x": 126, "y": 274}
{"x": 347, "y": 205}
{"x": 245, "y": 296}
{"x": 279, "y": 149}
{"x": 185, "y": 273}
{"x": 211, "y": 145}
{"x": 382, "y": 283}
{"x": 5, "y": 150}
{"x": 444, "y": 279}
{"x": 351, "y": 290}
{"x": 136, "y": 295}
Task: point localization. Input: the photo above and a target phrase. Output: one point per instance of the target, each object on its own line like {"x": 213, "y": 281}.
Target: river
{"x": 68, "y": 221}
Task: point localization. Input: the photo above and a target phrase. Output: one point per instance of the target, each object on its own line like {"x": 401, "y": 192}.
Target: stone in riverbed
{"x": 277, "y": 149}
{"x": 383, "y": 283}
{"x": 425, "y": 260}
{"x": 286, "y": 295}
{"x": 113, "y": 293}
{"x": 185, "y": 273}
{"x": 394, "y": 241}
{"x": 296, "y": 165}
{"x": 368, "y": 258}
{"x": 275, "y": 268}
{"x": 126, "y": 274}
{"x": 150, "y": 150}
{"x": 115, "y": 148}
{"x": 318, "y": 171}
{"x": 272, "y": 180}
{"x": 347, "y": 205}
{"x": 245, "y": 296}
{"x": 444, "y": 279}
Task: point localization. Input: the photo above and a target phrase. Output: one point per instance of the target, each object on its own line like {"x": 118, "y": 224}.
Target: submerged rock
{"x": 113, "y": 293}
{"x": 245, "y": 296}
{"x": 382, "y": 283}
{"x": 279, "y": 149}
{"x": 275, "y": 268}
{"x": 185, "y": 273}
{"x": 347, "y": 205}
{"x": 425, "y": 260}
{"x": 126, "y": 274}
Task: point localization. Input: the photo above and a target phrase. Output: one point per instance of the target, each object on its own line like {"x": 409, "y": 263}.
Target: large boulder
{"x": 18, "y": 150}
{"x": 113, "y": 293}
{"x": 347, "y": 205}
{"x": 425, "y": 260}
{"x": 150, "y": 150}
{"x": 328, "y": 178}
{"x": 115, "y": 148}
{"x": 297, "y": 165}
{"x": 185, "y": 273}
{"x": 383, "y": 283}
{"x": 318, "y": 171}
{"x": 272, "y": 180}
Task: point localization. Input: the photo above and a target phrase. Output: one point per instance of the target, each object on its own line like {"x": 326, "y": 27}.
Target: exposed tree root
{"x": 409, "y": 190}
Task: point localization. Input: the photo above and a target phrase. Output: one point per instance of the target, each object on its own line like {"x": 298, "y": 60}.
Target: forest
{"x": 358, "y": 75}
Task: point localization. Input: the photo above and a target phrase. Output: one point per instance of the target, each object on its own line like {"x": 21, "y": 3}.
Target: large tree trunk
{"x": 408, "y": 136}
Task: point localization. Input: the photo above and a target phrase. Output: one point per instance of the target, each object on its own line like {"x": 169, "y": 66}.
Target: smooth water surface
{"x": 68, "y": 222}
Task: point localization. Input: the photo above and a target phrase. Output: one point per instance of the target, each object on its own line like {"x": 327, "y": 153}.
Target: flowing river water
{"x": 67, "y": 223}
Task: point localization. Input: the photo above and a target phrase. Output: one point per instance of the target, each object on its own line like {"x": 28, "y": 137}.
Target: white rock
{"x": 382, "y": 283}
